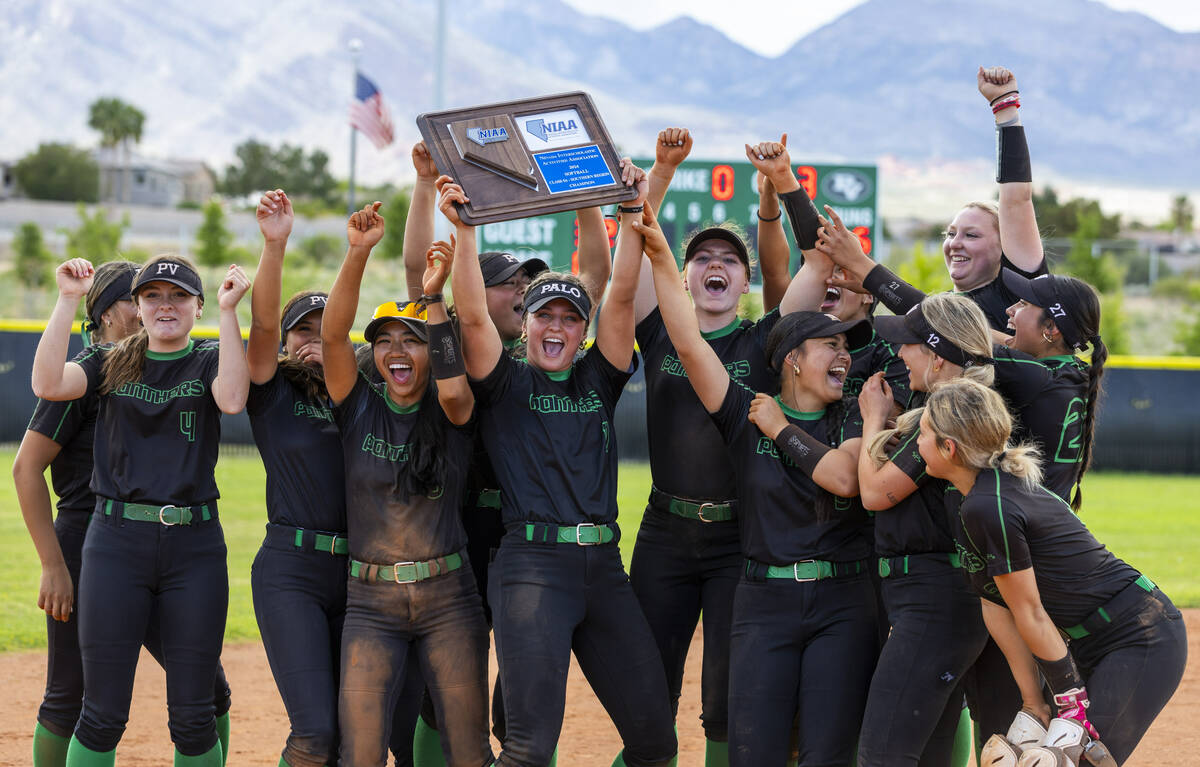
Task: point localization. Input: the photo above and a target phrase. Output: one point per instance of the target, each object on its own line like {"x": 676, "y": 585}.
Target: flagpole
{"x": 355, "y": 49}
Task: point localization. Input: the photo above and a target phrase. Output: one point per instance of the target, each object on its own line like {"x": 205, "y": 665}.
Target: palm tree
{"x": 117, "y": 123}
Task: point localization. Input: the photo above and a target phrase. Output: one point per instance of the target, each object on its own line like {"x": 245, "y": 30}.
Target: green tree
{"x": 323, "y": 249}
{"x": 303, "y": 175}
{"x": 33, "y": 261}
{"x": 59, "y": 172}
{"x": 1114, "y": 323}
{"x": 1099, "y": 270}
{"x": 1188, "y": 336}
{"x": 1064, "y": 219}
{"x": 96, "y": 238}
{"x": 1182, "y": 214}
{"x": 925, "y": 270}
{"x": 395, "y": 213}
{"x": 212, "y": 238}
{"x": 118, "y": 123}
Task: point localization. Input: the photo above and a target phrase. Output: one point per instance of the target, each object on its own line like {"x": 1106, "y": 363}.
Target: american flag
{"x": 369, "y": 114}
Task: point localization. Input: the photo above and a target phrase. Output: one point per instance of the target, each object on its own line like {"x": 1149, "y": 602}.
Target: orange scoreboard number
{"x": 864, "y": 237}
{"x": 610, "y": 228}
{"x": 722, "y": 183}
{"x": 807, "y": 176}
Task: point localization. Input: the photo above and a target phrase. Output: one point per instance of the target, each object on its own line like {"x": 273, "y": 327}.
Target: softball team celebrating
{"x": 874, "y": 516}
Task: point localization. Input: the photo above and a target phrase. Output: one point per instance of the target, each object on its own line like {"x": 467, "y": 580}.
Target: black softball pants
{"x": 135, "y": 574}
{"x": 915, "y": 700}
{"x": 1132, "y": 669}
{"x": 63, "y": 699}
{"x": 680, "y": 569}
{"x": 800, "y": 652}
{"x": 549, "y": 600}
{"x": 442, "y": 619}
{"x": 300, "y": 604}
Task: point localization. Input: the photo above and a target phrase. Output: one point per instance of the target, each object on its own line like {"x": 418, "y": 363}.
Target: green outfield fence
{"x": 1149, "y": 418}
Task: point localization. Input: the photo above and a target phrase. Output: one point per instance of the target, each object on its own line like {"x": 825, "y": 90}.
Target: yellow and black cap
{"x": 170, "y": 270}
{"x": 913, "y": 328}
{"x": 412, "y": 314}
{"x": 1044, "y": 291}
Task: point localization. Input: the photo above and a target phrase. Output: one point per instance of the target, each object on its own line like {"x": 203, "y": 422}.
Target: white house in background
{"x": 146, "y": 181}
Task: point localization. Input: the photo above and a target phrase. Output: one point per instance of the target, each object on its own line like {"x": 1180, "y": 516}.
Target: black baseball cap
{"x": 717, "y": 233}
{"x": 411, "y": 314}
{"x": 797, "y": 327}
{"x": 498, "y": 266}
{"x": 543, "y": 293}
{"x": 1043, "y": 291}
{"x": 913, "y": 328}
{"x": 302, "y": 308}
{"x": 170, "y": 270}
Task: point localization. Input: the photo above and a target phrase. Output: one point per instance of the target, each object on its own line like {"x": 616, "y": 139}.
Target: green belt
{"x": 899, "y": 565}
{"x": 330, "y": 544}
{"x": 488, "y": 499}
{"x": 586, "y": 534}
{"x": 406, "y": 572}
{"x": 1101, "y": 618}
{"x": 808, "y": 570}
{"x": 167, "y": 515}
{"x": 704, "y": 511}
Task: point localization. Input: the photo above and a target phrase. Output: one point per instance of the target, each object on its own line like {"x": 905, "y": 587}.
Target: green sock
{"x": 427, "y": 746}
{"x": 79, "y": 755}
{"x": 283, "y": 762}
{"x": 962, "y": 741}
{"x": 223, "y": 736}
{"x": 554, "y": 758}
{"x": 716, "y": 753}
{"x": 210, "y": 758}
{"x": 49, "y": 750}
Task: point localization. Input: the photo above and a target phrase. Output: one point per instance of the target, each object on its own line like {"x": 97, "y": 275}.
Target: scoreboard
{"x": 703, "y": 194}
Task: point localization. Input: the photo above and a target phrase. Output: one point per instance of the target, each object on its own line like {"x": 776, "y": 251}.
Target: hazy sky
{"x": 771, "y": 26}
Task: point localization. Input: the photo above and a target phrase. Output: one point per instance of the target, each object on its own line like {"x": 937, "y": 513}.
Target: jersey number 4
{"x": 187, "y": 424}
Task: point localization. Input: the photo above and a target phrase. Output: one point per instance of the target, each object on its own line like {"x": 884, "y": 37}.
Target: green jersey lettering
{"x": 554, "y": 403}
{"x": 137, "y": 390}
{"x": 187, "y": 424}
{"x": 1070, "y": 440}
{"x": 312, "y": 411}
{"x": 766, "y": 446}
{"x": 385, "y": 450}
{"x": 737, "y": 370}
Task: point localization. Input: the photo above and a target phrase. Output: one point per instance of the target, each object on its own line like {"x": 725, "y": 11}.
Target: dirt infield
{"x": 260, "y": 725}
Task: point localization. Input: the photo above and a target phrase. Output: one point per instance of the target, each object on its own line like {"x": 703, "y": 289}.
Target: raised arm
{"x": 482, "y": 346}
{"x": 595, "y": 257}
{"x": 774, "y": 254}
{"x": 1019, "y": 234}
{"x": 56, "y": 593}
{"x": 418, "y": 229}
{"x": 704, "y": 368}
{"x": 445, "y": 359}
{"x": 232, "y": 384}
{"x": 614, "y": 332}
{"x": 54, "y": 378}
{"x": 364, "y": 230}
{"x": 843, "y": 247}
{"x": 275, "y": 217}
{"x": 672, "y": 148}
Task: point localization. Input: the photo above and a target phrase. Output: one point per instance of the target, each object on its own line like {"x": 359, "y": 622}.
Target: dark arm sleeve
{"x": 894, "y": 293}
{"x": 803, "y": 215}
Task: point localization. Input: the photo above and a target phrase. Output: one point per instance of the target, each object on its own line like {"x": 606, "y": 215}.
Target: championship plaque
{"x": 528, "y": 157}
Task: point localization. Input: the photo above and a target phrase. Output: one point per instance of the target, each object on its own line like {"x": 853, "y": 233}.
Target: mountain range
{"x": 1108, "y": 97}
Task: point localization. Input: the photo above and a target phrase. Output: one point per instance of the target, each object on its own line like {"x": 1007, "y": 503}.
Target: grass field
{"x": 1151, "y": 521}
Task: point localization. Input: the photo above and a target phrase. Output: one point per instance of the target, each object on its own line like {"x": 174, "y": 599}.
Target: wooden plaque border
{"x": 496, "y": 198}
